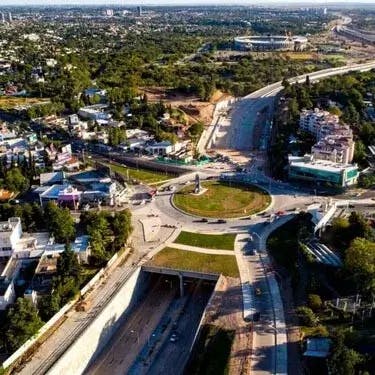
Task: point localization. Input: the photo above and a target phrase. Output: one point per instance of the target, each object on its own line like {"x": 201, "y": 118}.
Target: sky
{"x": 174, "y": 2}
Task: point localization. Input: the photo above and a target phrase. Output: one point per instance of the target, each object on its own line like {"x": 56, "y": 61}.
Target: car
{"x": 173, "y": 337}
{"x": 204, "y": 220}
{"x": 258, "y": 291}
{"x": 256, "y": 316}
{"x": 279, "y": 213}
{"x": 221, "y": 221}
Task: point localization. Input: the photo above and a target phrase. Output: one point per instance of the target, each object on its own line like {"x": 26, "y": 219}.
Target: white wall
{"x": 80, "y": 354}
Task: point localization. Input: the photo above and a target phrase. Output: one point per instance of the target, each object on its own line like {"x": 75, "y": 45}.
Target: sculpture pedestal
{"x": 202, "y": 191}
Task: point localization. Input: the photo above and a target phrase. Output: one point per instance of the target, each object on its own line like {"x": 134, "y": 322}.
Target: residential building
{"x": 312, "y": 120}
{"x": 334, "y": 140}
{"x": 336, "y": 148}
{"x": 18, "y": 249}
{"x": 10, "y": 234}
{"x": 95, "y": 112}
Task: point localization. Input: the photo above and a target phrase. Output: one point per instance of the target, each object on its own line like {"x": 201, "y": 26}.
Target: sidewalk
{"x": 279, "y": 326}
{"x": 199, "y": 249}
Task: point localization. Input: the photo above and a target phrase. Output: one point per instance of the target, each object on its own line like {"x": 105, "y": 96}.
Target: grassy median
{"x": 208, "y": 241}
{"x": 193, "y": 261}
{"x": 142, "y": 175}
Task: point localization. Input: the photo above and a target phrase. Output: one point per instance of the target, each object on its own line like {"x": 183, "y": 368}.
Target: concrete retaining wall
{"x": 91, "y": 342}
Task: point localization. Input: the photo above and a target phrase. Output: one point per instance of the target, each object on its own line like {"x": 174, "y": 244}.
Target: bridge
{"x": 181, "y": 274}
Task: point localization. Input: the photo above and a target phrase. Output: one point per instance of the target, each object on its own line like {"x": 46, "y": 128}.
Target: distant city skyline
{"x": 178, "y": 2}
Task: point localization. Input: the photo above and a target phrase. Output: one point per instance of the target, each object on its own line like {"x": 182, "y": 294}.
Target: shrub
{"x": 314, "y": 302}
{"x": 307, "y": 316}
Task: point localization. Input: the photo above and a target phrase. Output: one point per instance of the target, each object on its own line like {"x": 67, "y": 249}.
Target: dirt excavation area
{"x": 225, "y": 340}
{"x": 194, "y": 108}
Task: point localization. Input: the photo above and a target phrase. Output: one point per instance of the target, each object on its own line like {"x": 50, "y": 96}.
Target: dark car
{"x": 221, "y": 221}
{"x": 204, "y": 220}
{"x": 256, "y": 317}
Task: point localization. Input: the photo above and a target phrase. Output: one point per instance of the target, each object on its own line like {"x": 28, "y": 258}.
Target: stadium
{"x": 270, "y": 43}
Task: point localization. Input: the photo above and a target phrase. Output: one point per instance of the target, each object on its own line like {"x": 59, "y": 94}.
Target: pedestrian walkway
{"x": 199, "y": 249}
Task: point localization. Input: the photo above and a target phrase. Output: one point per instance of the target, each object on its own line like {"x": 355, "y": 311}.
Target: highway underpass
{"x": 173, "y": 303}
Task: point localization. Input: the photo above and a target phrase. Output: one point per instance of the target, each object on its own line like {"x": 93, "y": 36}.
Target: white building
{"x": 163, "y": 148}
{"x": 17, "y": 248}
{"x": 334, "y": 140}
{"x": 95, "y": 112}
{"x": 10, "y": 234}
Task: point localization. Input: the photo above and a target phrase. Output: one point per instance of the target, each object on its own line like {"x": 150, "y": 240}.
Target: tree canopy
{"x": 23, "y": 322}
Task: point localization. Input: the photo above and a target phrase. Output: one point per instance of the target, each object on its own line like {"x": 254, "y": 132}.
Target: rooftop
{"x": 326, "y": 165}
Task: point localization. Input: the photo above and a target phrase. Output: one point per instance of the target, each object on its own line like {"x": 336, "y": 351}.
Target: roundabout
{"x": 222, "y": 200}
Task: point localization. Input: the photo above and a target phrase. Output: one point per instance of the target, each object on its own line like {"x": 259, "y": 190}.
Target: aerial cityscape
{"x": 187, "y": 188}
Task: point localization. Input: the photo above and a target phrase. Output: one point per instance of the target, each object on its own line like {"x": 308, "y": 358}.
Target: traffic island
{"x": 222, "y": 200}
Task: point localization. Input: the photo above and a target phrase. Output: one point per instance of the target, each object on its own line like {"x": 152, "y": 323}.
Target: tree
{"x": 15, "y": 180}
{"x": 196, "y": 130}
{"x": 122, "y": 228}
{"x": 307, "y": 316}
{"x": 343, "y": 359}
{"x": 334, "y": 110}
{"x": 23, "y": 322}
{"x": 315, "y": 302}
{"x": 359, "y": 153}
{"x": 60, "y": 223}
{"x": 293, "y": 108}
{"x": 360, "y": 263}
{"x": 359, "y": 226}
{"x": 68, "y": 265}
{"x": 49, "y": 305}
{"x": 341, "y": 234}
{"x": 285, "y": 83}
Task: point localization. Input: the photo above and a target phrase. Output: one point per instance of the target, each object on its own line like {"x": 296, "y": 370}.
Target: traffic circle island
{"x": 222, "y": 200}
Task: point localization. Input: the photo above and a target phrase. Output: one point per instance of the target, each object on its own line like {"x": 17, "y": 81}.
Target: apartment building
{"x": 334, "y": 140}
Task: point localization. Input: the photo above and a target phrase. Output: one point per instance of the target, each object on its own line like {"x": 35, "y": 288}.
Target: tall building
{"x": 10, "y": 17}
{"x": 109, "y": 12}
{"x": 2, "y": 17}
{"x": 139, "y": 11}
{"x": 334, "y": 140}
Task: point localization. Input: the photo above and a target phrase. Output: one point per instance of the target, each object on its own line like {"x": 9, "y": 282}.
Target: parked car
{"x": 221, "y": 221}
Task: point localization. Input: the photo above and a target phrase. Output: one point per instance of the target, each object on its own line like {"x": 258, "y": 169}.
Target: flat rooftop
{"x": 320, "y": 165}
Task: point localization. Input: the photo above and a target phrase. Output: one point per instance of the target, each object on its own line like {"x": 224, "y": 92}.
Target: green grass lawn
{"x": 142, "y": 175}
{"x": 212, "y": 352}
{"x": 222, "y": 200}
{"x": 192, "y": 261}
{"x": 208, "y": 241}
